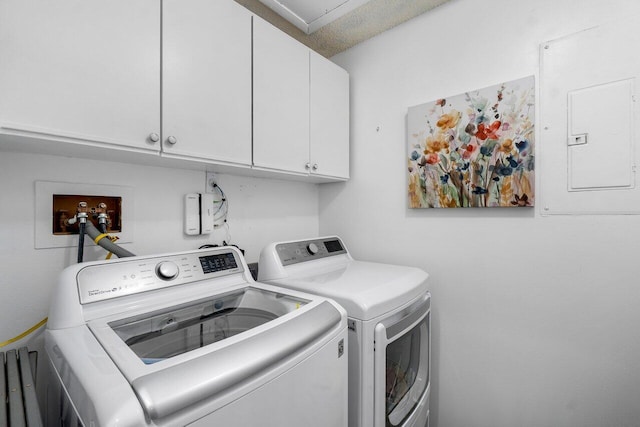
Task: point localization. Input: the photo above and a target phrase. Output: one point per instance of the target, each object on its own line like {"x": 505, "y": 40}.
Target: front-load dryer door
{"x": 402, "y": 365}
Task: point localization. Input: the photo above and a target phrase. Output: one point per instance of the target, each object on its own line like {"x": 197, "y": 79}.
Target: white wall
{"x": 535, "y": 317}
{"x": 260, "y": 211}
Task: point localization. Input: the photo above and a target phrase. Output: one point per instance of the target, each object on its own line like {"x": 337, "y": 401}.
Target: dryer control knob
{"x": 167, "y": 270}
{"x": 312, "y": 248}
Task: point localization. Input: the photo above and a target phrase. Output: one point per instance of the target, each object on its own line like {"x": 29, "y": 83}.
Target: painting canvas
{"x": 475, "y": 149}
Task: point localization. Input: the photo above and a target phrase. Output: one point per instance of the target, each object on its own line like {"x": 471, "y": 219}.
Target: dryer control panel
{"x": 308, "y": 250}
{"x": 134, "y": 275}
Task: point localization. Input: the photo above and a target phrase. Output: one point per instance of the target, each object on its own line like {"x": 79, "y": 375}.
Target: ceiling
{"x": 332, "y": 26}
{"x": 310, "y": 15}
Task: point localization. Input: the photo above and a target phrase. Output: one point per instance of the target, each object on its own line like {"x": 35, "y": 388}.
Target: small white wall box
{"x": 590, "y": 122}
{"x": 198, "y": 213}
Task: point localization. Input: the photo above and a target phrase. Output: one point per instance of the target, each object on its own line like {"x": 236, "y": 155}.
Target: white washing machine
{"x": 191, "y": 339}
{"x": 389, "y": 310}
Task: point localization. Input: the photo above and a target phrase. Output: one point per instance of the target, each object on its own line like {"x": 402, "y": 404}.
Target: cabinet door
{"x": 84, "y": 70}
{"x": 280, "y": 100}
{"x": 206, "y": 80}
{"x": 329, "y": 115}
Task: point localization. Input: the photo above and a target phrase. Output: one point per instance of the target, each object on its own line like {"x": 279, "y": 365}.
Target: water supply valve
{"x": 82, "y": 212}
{"x": 103, "y": 216}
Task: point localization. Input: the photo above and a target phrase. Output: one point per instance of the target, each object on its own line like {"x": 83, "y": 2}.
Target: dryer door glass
{"x": 404, "y": 360}
{"x": 406, "y": 365}
{"x": 159, "y": 335}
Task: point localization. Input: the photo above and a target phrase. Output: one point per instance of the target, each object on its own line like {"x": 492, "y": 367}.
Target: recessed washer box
{"x": 44, "y": 211}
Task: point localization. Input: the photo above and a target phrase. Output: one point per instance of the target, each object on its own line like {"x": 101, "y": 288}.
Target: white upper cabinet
{"x": 206, "y": 80}
{"x": 81, "y": 71}
{"x": 280, "y": 100}
{"x": 196, "y": 81}
{"x": 329, "y": 118}
{"x": 300, "y": 107}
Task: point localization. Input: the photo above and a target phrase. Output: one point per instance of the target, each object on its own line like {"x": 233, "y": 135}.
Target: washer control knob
{"x": 312, "y": 248}
{"x": 167, "y": 270}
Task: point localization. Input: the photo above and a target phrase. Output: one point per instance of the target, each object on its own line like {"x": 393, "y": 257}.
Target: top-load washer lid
{"x": 166, "y": 333}
{"x": 185, "y": 327}
{"x": 324, "y": 267}
{"x": 176, "y": 357}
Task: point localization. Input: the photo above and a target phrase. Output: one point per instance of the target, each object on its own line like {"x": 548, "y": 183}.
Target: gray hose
{"x": 107, "y": 244}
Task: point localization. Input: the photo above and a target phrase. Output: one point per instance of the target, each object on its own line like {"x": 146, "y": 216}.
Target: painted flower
{"x": 522, "y": 145}
{"x": 470, "y": 129}
{"x": 432, "y": 158}
{"x": 520, "y": 201}
{"x": 503, "y": 170}
{"x": 478, "y": 104}
{"x": 490, "y": 132}
{"x": 506, "y": 146}
{"x": 479, "y": 190}
{"x": 529, "y": 163}
{"x": 435, "y": 145}
{"x": 415, "y": 155}
{"x": 486, "y": 150}
{"x": 449, "y": 121}
{"x": 468, "y": 151}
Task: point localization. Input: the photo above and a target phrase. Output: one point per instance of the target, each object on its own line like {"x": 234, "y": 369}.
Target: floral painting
{"x": 474, "y": 149}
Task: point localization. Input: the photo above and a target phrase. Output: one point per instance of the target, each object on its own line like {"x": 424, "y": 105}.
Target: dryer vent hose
{"x": 107, "y": 244}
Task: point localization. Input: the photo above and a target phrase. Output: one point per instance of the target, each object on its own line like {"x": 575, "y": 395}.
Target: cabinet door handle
{"x": 315, "y": 167}
{"x": 307, "y": 166}
{"x": 172, "y": 140}
{"x": 154, "y": 137}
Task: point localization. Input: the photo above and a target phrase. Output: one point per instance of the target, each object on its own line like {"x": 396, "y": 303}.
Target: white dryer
{"x": 389, "y": 310}
{"x": 191, "y": 339}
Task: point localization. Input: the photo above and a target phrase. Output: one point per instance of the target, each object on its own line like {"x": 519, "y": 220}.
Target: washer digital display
{"x": 333, "y": 246}
{"x": 217, "y": 262}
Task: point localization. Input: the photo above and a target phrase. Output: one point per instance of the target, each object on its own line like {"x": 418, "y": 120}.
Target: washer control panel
{"x": 309, "y": 250}
{"x": 131, "y": 276}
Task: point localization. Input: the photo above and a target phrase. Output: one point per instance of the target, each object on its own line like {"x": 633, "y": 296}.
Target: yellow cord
{"x": 100, "y": 237}
{"x": 43, "y": 321}
{"x": 25, "y": 333}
